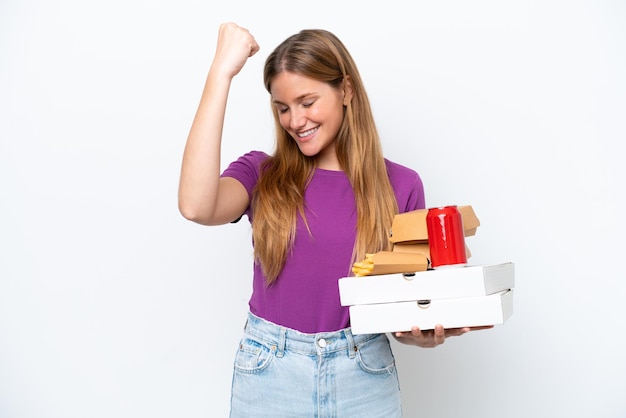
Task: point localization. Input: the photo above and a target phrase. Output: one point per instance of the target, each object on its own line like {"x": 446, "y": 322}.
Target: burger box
{"x": 452, "y": 296}
{"x": 409, "y": 233}
{"x": 410, "y": 227}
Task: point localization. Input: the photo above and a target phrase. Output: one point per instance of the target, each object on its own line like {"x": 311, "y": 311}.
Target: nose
{"x": 297, "y": 119}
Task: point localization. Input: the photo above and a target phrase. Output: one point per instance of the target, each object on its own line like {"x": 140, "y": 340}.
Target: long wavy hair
{"x": 279, "y": 194}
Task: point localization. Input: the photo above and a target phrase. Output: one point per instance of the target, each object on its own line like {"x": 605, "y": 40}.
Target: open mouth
{"x": 307, "y": 132}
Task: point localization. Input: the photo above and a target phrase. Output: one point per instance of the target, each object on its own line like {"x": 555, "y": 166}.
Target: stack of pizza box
{"x": 412, "y": 294}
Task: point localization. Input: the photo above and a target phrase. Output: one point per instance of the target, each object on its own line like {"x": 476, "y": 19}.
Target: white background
{"x": 112, "y": 305}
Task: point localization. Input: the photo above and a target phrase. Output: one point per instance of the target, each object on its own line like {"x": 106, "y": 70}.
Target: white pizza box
{"x": 441, "y": 283}
{"x": 492, "y": 309}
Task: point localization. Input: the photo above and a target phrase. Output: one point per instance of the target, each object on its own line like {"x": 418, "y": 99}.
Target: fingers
{"x": 238, "y": 34}
{"x": 433, "y": 337}
{"x": 439, "y": 335}
{"x": 427, "y": 338}
{"x": 480, "y": 328}
{"x": 455, "y": 332}
{"x": 430, "y": 338}
{"x": 235, "y": 45}
{"x": 254, "y": 47}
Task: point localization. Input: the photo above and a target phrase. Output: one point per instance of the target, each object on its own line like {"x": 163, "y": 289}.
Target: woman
{"x": 324, "y": 199}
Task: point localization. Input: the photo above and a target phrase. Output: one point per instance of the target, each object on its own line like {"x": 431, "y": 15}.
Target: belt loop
{"x": 351, "y": 346}
{"x": 282, "y": 337}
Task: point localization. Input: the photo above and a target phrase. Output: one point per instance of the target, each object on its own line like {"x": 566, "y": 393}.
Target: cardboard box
{"x": 386, "y": 262}
{"x": 410, "y": 227}
{"x": 450, "y": 282}
{"x": 409, "y": 234}
{"x": 454, "y": 297}
{"x": 420, "y": 248}
{"x": 492, "y": 309}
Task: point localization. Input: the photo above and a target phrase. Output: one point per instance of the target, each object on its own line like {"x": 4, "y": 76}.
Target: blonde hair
{"x": 279, "y": 194}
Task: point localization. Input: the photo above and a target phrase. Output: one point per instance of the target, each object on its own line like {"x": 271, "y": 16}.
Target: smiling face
{"x": 311, "y": 112}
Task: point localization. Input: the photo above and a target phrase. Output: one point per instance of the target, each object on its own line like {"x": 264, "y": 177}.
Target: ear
{"x": 347, "y": 90}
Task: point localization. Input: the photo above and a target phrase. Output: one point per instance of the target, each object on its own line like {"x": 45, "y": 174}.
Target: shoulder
{"x": 250, "y": 160}
{"x": 407, "y": 185}
{"x": 246, "y": 168}
{"x": 253, "y": 157}
{"x": 400, "y": 173}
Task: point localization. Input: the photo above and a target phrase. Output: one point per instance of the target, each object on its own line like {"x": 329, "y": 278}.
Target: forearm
{"x": 199, "y": 179}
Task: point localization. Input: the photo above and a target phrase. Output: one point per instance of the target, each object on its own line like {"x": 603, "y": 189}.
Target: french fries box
{"x": 387, "y": 262}
{"x": 454, "y": 297}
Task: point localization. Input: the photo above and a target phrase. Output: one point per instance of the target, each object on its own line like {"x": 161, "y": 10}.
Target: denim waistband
{"x": 284, "y": 339}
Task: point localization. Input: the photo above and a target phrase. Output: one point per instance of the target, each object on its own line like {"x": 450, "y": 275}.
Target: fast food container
{"x": 459, "y": 297}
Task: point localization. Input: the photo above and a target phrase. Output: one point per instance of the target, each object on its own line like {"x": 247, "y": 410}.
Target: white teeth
{"x": 306, "y": 133}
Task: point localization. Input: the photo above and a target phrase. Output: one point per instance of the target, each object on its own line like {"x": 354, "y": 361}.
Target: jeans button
{"x": 321, "y": 342}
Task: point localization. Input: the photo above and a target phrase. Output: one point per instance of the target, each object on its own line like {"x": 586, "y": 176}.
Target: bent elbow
{"x": 191, "y": 212}
{"x": 186, "y": 213}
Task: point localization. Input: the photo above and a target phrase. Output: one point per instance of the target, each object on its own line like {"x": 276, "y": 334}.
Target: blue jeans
{"x": 280, "y": 372}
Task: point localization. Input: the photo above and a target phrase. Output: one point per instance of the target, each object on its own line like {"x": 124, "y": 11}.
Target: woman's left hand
{"x": 432, "y": 337}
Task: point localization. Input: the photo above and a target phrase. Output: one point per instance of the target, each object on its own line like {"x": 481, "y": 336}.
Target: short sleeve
{"x": 246, "y": 169}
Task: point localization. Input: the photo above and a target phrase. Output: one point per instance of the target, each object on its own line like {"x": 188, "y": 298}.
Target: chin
{"x": 309, "y": 152}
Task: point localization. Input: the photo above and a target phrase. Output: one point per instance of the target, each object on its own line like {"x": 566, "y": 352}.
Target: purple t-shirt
{"x": 305, "y": 296}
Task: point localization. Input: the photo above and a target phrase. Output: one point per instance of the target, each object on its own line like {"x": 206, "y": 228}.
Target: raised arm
{"x": 202, "y": 196}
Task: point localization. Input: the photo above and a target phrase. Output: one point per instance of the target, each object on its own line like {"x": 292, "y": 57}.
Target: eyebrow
{"x": 298, "y": 99}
